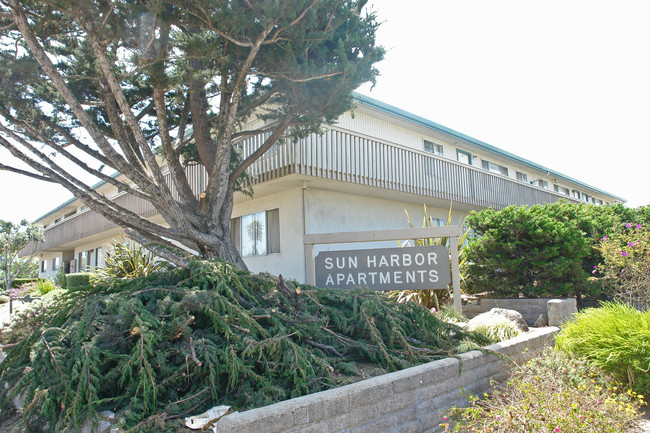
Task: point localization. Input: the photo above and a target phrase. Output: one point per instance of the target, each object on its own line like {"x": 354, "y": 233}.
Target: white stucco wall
{"x": 49, "y": 257}
{"x": 326, "y": 211}
{"x": 290, "y": 260}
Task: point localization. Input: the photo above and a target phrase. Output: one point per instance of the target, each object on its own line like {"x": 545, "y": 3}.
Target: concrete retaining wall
{"x": 407, "y": 401}
{"x": 529, "y": 308}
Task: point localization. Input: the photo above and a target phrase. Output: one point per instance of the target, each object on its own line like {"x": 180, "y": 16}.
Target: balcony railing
{"x": 362, "y": 160}
{"x": 345, "y": 157}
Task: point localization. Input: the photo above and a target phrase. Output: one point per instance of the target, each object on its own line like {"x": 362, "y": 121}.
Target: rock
{"x": 513, "y": 315}
{"x": 541, "y": 321}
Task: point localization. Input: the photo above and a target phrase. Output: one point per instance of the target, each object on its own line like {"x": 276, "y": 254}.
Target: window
{"x": 464, "y": 157}
{"x": 562, "y": 190}
{"x": 435, "y": 148}
{"x": 585, "y": 197}
{"x": 522, "y": 176}
{"x": 55, "y": 263}
{"x": 542, "y": 184}
{"x": 495, "y": 168}
{"x": 576, "y": 194}
{"x": 44, "y": 266}
{"x": 257, "y": 234}
{"x": 98, "y": 252}
{"x": 85, "y": 261}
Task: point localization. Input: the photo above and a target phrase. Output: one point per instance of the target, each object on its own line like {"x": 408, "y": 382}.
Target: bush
{"x": 542, "y": 250}
{"x": 552, "y": 393}
{"x": 626, "y": 265}
{"x": 4, "y": 299}
{"x": 181, "y": 341}
{"x": 38, "y": 287}
{"x": 77, "y": 280}
{"x": 525, "y": 251}
{"x": 21, "y": 281}
{"x": 615, "y": 338}
{"x": 495, "y": 328}
{"x": 126, "y": 261}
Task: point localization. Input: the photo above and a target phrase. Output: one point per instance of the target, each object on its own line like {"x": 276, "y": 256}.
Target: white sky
{"x": 565, "y": 84}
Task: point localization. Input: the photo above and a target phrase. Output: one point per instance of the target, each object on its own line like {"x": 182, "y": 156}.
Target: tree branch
{"x": 25, "y": 173}
{"x": 279, "y": 130}
{"x": 150, "y": 244}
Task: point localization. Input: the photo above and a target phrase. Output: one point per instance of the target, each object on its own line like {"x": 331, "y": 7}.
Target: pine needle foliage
{"x": 182, "y": 340}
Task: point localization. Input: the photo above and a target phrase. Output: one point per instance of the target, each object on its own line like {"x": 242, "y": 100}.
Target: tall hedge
{"x": 542, "y": 250}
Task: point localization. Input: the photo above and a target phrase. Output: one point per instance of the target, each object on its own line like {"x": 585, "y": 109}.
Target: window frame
{"x": 435, "y": 148}
{"x": 467, "y": 154}
{"x": 272, "y": 238}
{"x": 522, "y": 177}
{"x": 494, "y": 168}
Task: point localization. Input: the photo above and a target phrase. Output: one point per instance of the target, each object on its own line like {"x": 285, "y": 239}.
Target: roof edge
{"x": 414, "y": 118}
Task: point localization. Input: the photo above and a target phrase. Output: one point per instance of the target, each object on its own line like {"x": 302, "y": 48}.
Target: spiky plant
{"x": 126, "y": 261}
{"x": 433, "y": 298}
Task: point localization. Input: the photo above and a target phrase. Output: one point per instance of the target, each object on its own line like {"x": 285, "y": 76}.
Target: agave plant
{"x": 126, "y": 261}
{"x": 433, "y": 298}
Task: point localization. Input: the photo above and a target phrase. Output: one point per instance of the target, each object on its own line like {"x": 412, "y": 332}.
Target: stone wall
{"x": 529, "y": 308}
{"x": 409, "y": 400}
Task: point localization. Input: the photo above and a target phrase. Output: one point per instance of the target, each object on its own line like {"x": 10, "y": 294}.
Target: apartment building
{"x": 361, "y": 173}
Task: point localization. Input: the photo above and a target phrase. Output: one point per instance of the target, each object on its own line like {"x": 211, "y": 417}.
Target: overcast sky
{"x": 565, "y": 84}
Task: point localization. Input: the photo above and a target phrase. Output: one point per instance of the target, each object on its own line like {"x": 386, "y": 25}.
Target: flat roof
{"x": 414, "y": 118}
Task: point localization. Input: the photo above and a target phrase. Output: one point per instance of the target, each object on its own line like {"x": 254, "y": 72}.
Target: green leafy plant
{"x": 626, "y": 265}
{"x": 495, "y": 328}
{"x": 615, "y": 338}
{"x": 543, "y": 250}
{"x": 183, "y": 340}
{"x": 77, "y": 280}
{"x": 433, "y": 298}
{"x": 39, "y": 287}
{"x": 126, "y": 261}
{"x": 551, "y": 393}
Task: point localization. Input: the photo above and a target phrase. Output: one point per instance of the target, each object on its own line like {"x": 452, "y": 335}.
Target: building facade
{"x": 361, "y": 173}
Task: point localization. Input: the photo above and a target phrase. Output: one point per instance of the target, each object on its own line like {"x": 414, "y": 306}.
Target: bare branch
{"x": 26, "y": 173}
{"x": 279, "y": 130}
{"x": 43, "y": 60}
{"x": 305, "y": 80}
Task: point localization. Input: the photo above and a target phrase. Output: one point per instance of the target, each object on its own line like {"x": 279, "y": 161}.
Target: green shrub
{"x": 495, "y": 328}
{"x": 76, "y": 280}
{"x": 552, "y": 393}
{"x": 614, "y": 337}
{"x": 626, "y": 265}
{"x": 38, "y": 287}
{"x": 18, "y": 282}
{"x": 126, "y": 261}
{"x": 181, "y": 341}
{"x": 542, "y": 250}
{"x": 4, "y": 299}
{"x": 450, "y": 314}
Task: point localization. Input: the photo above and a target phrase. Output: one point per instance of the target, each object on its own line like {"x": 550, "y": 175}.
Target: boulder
{"x": 511, "y": 315}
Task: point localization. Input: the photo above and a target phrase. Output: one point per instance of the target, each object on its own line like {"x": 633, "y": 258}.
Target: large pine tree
{"x": 128, "y": 84}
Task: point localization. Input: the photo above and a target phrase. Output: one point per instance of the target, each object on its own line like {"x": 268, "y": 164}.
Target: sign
{"x": 409, "y": 268}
